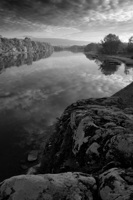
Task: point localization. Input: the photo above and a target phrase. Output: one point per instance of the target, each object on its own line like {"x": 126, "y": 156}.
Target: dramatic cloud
{"x": 74, "y": 16}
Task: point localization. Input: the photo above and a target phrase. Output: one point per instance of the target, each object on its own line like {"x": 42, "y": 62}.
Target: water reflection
{"x": 31, "y": 97}
{"x": 127, "y": 68}
{"x": 21, "y": 59}
{"x": 109, "y": 66}
{"x": 106, "y": 66}
{"x": 90, "y": 56}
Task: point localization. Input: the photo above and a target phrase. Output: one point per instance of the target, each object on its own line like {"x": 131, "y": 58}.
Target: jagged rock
{"x": 90, "y": 135}
{"x": 93, "y": 149}
{"x": 116, "y": 184}
{"x": 33, "y": 155}
{"x": 70, "y": 186}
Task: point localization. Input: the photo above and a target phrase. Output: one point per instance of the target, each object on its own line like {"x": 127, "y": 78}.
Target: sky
{"x": 86, "y": 20}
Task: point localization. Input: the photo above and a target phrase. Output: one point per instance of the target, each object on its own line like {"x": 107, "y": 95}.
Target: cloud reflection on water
{"x": 28, "y": 85}
{"x": 32, "y": 96}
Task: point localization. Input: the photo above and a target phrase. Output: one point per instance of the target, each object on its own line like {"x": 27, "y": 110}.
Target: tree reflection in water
{"x": 127, "y": 68}
{"x": 21, "y": 59}
{"x": 107, "y": 66}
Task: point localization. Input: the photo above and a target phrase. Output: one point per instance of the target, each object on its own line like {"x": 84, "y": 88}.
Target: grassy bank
{"x": 116, "y": 58}
{"x": 122, "y": 58}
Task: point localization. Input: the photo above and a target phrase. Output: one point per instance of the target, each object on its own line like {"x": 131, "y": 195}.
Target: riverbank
{"x": 125, "y": 60}
{"x": 114, "y": 58}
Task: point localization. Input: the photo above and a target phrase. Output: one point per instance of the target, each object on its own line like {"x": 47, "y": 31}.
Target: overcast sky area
{"x": 88, "y": 20}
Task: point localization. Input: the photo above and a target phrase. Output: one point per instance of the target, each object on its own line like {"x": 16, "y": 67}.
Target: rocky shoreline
{"x": 89, "y": 156}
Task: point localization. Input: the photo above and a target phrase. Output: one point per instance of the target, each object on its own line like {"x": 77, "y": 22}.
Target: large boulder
{"x": 70, "y": 186}
{"x": 91, "y": 136}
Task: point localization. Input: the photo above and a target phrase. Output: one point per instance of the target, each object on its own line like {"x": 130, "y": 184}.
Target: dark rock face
{"x": 18, "y": 46}
{"x": 93, "y": 136}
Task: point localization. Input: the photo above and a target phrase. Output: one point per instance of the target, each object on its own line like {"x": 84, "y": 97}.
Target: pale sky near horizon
{"x": 88, "y": 20}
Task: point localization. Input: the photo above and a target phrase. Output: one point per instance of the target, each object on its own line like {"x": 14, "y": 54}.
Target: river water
{"x": 34, "y": 92}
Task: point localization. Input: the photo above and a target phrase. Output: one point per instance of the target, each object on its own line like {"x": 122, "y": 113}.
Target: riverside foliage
{"x": 18, "y": 46}
{"x": 111, "y": 45}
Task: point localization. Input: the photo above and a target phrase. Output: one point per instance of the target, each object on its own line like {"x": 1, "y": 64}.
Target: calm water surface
{"x": 34, "y": 94}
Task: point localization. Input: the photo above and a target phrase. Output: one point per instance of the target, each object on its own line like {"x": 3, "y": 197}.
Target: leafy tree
{"x": 123, "y": 48}
{"x": 131, "y": 40}
{"x": 130, "y": 45}
{"x": 110, "y": 44}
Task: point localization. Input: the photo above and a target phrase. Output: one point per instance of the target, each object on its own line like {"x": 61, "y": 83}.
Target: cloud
{"x": 43, "y": 15}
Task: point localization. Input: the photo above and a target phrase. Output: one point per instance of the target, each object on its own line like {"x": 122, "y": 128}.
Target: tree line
{"x": 110, "y": 45}
{"x": 14, "y": 46}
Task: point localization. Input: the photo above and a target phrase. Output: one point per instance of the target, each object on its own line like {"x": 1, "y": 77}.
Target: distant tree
{"x": 94, "y": 47}
{"x": 130, "y": 45}
{"x": 110, "y": 44}
{"x": 131, "y": 40}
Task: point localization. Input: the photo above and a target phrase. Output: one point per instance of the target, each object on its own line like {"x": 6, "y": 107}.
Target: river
{"x": 34, "y": 92}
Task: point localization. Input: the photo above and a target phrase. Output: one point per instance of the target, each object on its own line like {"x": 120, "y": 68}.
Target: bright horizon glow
{"x": 88, "y": 38}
